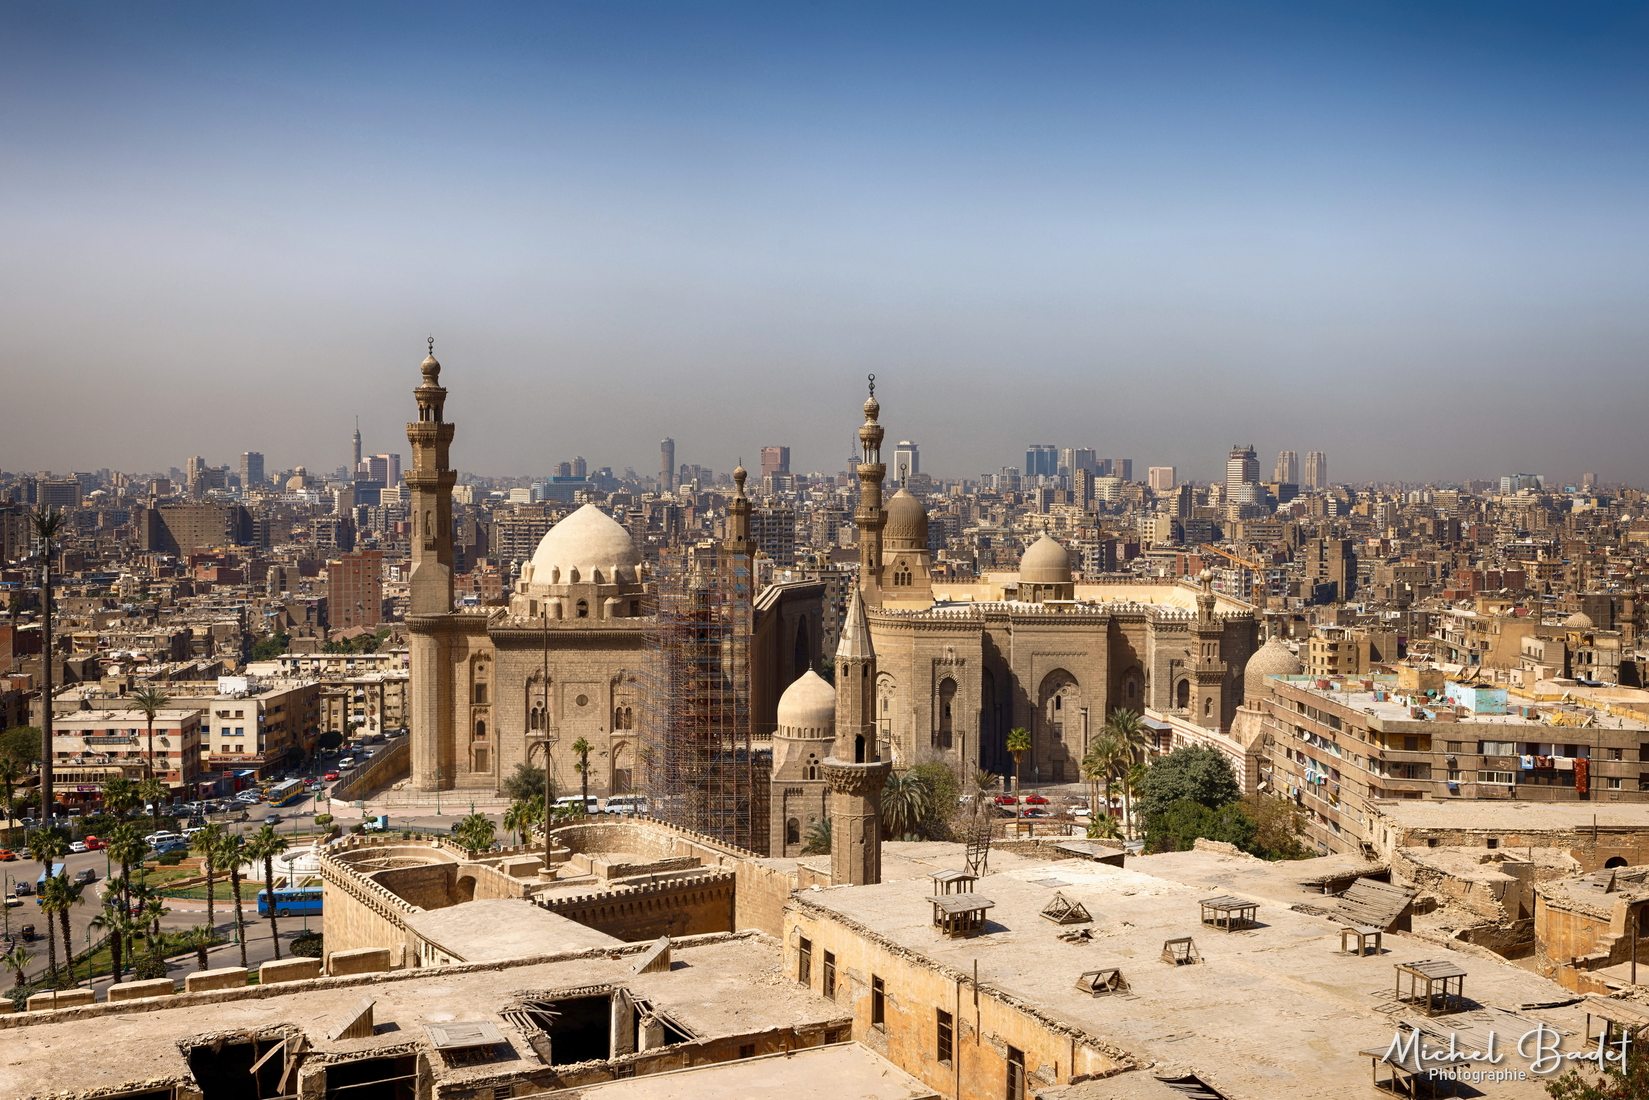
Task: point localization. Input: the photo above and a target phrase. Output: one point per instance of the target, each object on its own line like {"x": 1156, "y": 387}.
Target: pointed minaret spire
{"x": 855, "y": 644}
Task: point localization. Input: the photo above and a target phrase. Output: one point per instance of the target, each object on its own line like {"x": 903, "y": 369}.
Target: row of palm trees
{"x": 1116, "y": 757}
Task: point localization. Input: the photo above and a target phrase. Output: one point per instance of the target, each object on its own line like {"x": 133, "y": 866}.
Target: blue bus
{"x": 286, "y": 792}
{"x": 40, "y": 883}
{"x": 293, "y": 901}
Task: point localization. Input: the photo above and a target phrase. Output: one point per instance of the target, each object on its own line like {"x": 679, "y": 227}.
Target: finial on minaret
{"x": 432, "y": 345}
{"x": 431, "y": 366}
{"x": 872, "y": 384}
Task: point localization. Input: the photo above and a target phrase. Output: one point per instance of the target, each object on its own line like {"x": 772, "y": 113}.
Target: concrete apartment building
{"x": 1337, "y": 745}
{"x": 93, "y": 746}
{"x": 355, "y": 590}
{"x": 250, "y": 723}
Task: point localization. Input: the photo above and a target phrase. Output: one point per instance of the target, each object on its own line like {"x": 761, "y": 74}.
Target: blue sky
{"x": 1411, "y": 235}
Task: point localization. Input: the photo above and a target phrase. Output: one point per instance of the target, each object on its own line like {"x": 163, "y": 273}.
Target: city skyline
{"x": 1417, "y": 236}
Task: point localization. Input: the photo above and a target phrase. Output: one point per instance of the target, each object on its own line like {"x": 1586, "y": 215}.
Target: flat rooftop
{"x": 843, "y": 1071}
{"x": 722, "y": 985}
{"x": 498, "y": 929}
{"x": 1498, "y": 815}
{"x": 1321, "y": 1007}
{"x": 1388, "y": 705}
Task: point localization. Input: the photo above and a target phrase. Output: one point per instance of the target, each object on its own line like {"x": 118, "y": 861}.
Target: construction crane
{"x": 1256, "y": 570}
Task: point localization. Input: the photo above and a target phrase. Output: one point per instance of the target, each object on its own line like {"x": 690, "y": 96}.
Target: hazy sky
{"x": 1415, "y": 236}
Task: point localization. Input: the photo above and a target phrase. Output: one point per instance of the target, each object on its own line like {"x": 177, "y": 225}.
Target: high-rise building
{"x": 355, "y": 460}
{"x": 581, "y": 468}
{"x": 775, "y": 460}
{"x": 773, "y": 530}
{"x": 1041, "y": 460}
{"x": 1083, "y": 458}
{"x": 1242, "y": 475}
{"x": 193, "y": 470}
{"x": 907, "y": 460}
{"x": 390, "y": 466}
{"x": 1288, "y": 468}
{"x": 1316, "y": 470}
{"x": 355, "y": 589}
{"x": 251, "y": 471}
{"x": 59, "y": 493}
{"x": 1160, "y": 478}
{"x": 666, "y": 464}
{"x": 1122, "y": 468}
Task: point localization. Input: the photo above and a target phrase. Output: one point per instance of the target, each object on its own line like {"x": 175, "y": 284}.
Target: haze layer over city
{"x": 852, "y": 552}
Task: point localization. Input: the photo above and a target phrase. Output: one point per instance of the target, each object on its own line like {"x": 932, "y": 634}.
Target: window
{"x": 1497, "y": 748}
{"x": 480, "y": 694}
{"x": 1499, "y": 779}
{"x": 1016, "y": 1074}
{"x": 829, "y": 989}
{"x": 1614, "y": 783}
{"x": 804, "y": 963}
{"x": 583, "y": 609}
{"x": 878, "y": 1002}
{"x": 792, "y": 831}
{"x": 945, "y": 1033}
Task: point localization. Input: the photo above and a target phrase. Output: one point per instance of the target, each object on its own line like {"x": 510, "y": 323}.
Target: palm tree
{"x": 155, "y": 792}
{"x": 200, "y": 940}
{"x": 475, "y": 832}
{"x": 520, "y": 818}
{"x": 120, "y": 796}
{"x": 231, "y": 855}
{"x": 127, "y": 848}
{"x": 118, "y": 926}
{"x": 10, "y": 772}
{"x": 582, "y": 749}
{"x": 905, "y": 803}
{"x": 1104, "y": 828}
{"x": 1136, "y": 741}
{"x": 207, "y": 843}
{"x": 57, "y": 896}
{"x": 1019, "y": 743}
{"x": 817, "y": 839}
{"x": 17, "y": 960}
{"x": 1099, "y": 766}
{"x": 48, "y": 525}
{"x": 151, "y": 701}
{"x": 264, "y": 845}
{"x": 50, "y": 846}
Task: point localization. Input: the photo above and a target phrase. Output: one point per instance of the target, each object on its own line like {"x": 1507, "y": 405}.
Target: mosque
{"x": 952, "y": 667}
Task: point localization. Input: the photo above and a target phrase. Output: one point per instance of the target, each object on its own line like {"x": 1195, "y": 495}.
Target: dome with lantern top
{"x": 1045, "y": 562}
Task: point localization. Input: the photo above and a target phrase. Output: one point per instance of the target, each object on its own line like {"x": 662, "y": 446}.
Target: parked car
{"x": 13, "y": 901}
{"x": 1034, "y": 799}
{"x": 166, "y": 847}
{"x": 78, "y": 847}
{"x": 23, "y": 887}
{"x": 7, "y": 855}
{"x": 162, "y": 837}
{"x": 272, "y": 819}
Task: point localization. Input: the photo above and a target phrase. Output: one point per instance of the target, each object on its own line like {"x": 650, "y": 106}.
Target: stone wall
{"x": 680, "y": 907}
{"x": 388, "y": 766}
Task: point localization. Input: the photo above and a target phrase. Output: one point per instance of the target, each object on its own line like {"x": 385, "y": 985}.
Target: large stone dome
{"x": 808, "y": 706}
{"x": 1046, "y": 562}
{"x": 1579, "y": 621}
{"x": 587, "y": 547}
{"x": 907, "y": 523}
{"x": 1271, "y": 659}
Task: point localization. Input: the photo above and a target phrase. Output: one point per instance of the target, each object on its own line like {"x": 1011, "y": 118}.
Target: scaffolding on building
{"x": 698, "y": 766}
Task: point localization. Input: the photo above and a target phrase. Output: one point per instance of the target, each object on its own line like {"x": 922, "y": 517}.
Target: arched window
{"x": 1182, "y": 695}
{"x": 810, "y": 770}
{"x": 792, "y": 831}
{"x": 535, "y": 718}
{"x": 480, "y": 731}
{"x": 1208, "y": 708}
{"x": 583, "y": 609}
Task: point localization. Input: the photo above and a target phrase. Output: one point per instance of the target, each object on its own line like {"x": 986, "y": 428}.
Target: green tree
{"x": 1618, "y": 1082}
{"x": 1183, "y": 823}
{"x": 520, "y": 818}
{"x": 944, "y": 795}
{"x": 1019, "y": 743}
{"x": 57, "y": 897}
{"x": 475, "y": 832}
{"x": 151, "y": 701}
{"x": 269, "y": 647}
{"x": 1104, "y": 827}
{"x": 262, "y": 847}
{"x": 10, "y": 772}
{"x": 156, "y": 793}
{"x": 17, "y": 960}
{"x": 127, "y": 848}
{"x": 525, "y": 783}
{"x": 22, "y": 744}
{"x": 200, "y": 941}
{"x": 905, "y": 803}
{"x": 582, "y": 750}
{"x": 1200, "y": 774}
{"x": 231, "y": 856}
{"x": 50, "y": 845}
{"x": 1276, "y": 827}
{"x": 1128, "y": 730}
{"x": 817, "y": 840}
{"x": 208, "y": 845}
{"x": 117, "y": 926}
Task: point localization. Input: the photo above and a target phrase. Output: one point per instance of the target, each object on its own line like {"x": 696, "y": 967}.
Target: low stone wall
{"x": 288, "y": 970}
{"x": 136, "y": 991}
{"x": 681, "y": 907}
{"x": 387, "y": 766}
{"x": 61, "y": 998}
{"x": 363, "y": 960}
{"x": 224, "y": 977}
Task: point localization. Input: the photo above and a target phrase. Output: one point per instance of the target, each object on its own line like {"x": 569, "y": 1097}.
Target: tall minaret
{"x": 868, "y": 516}
{"x": 430, "y": 481}
{"x": 738, "y": 517}
{"x": 357, "y": 464}
{"x": 854, "y": 771}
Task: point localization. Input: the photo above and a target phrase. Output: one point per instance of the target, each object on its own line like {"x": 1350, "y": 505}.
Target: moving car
{"x": 96, "y": 844}
{"x": 272, "y": 819}
{"x": 330, "y": 777}
{"x": 85, "y": 877}
{"x": 78, "y": 848}
{"x": 7, "y": 855}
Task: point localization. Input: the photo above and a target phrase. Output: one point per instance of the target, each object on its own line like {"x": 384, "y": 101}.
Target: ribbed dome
{"x": 1579, "y": 621}
{"x": 589, "y": 540}
{"x": 907, "y": 523}
{"x": 1271, "y": 659}
{"x": 1046, "y": 562}
{"x": 808, "y": 706}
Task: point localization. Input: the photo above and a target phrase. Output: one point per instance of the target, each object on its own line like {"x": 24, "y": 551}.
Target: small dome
{"x": 588, "y": 541}
{"x": 1046, "y": 562}
{"x": 907, "y": 522}
{"x": 1271, "y": 659}
{"x": 808, "y": 706}
{"x": 1579, "y": 621}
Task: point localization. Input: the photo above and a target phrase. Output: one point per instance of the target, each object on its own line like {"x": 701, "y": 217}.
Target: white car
{"x": 78, "y": 848}
{"x": 160, "y": 838}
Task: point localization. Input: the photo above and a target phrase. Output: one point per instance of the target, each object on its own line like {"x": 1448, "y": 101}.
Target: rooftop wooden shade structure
{"x": 953, "y": 882}
{"x": 1619, "y": 1018}
{"x": 1062, "y": 910}
{"x": 1100, "y": 982}
{"x": 1443, "y": 981}
{"x": 1364, "y": 935}
{"x": 1228, "y": 913}
{"x": 1409, "y": 1074}
{"x": 1180, "y": 951}
{"x": 960, "y": 914}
